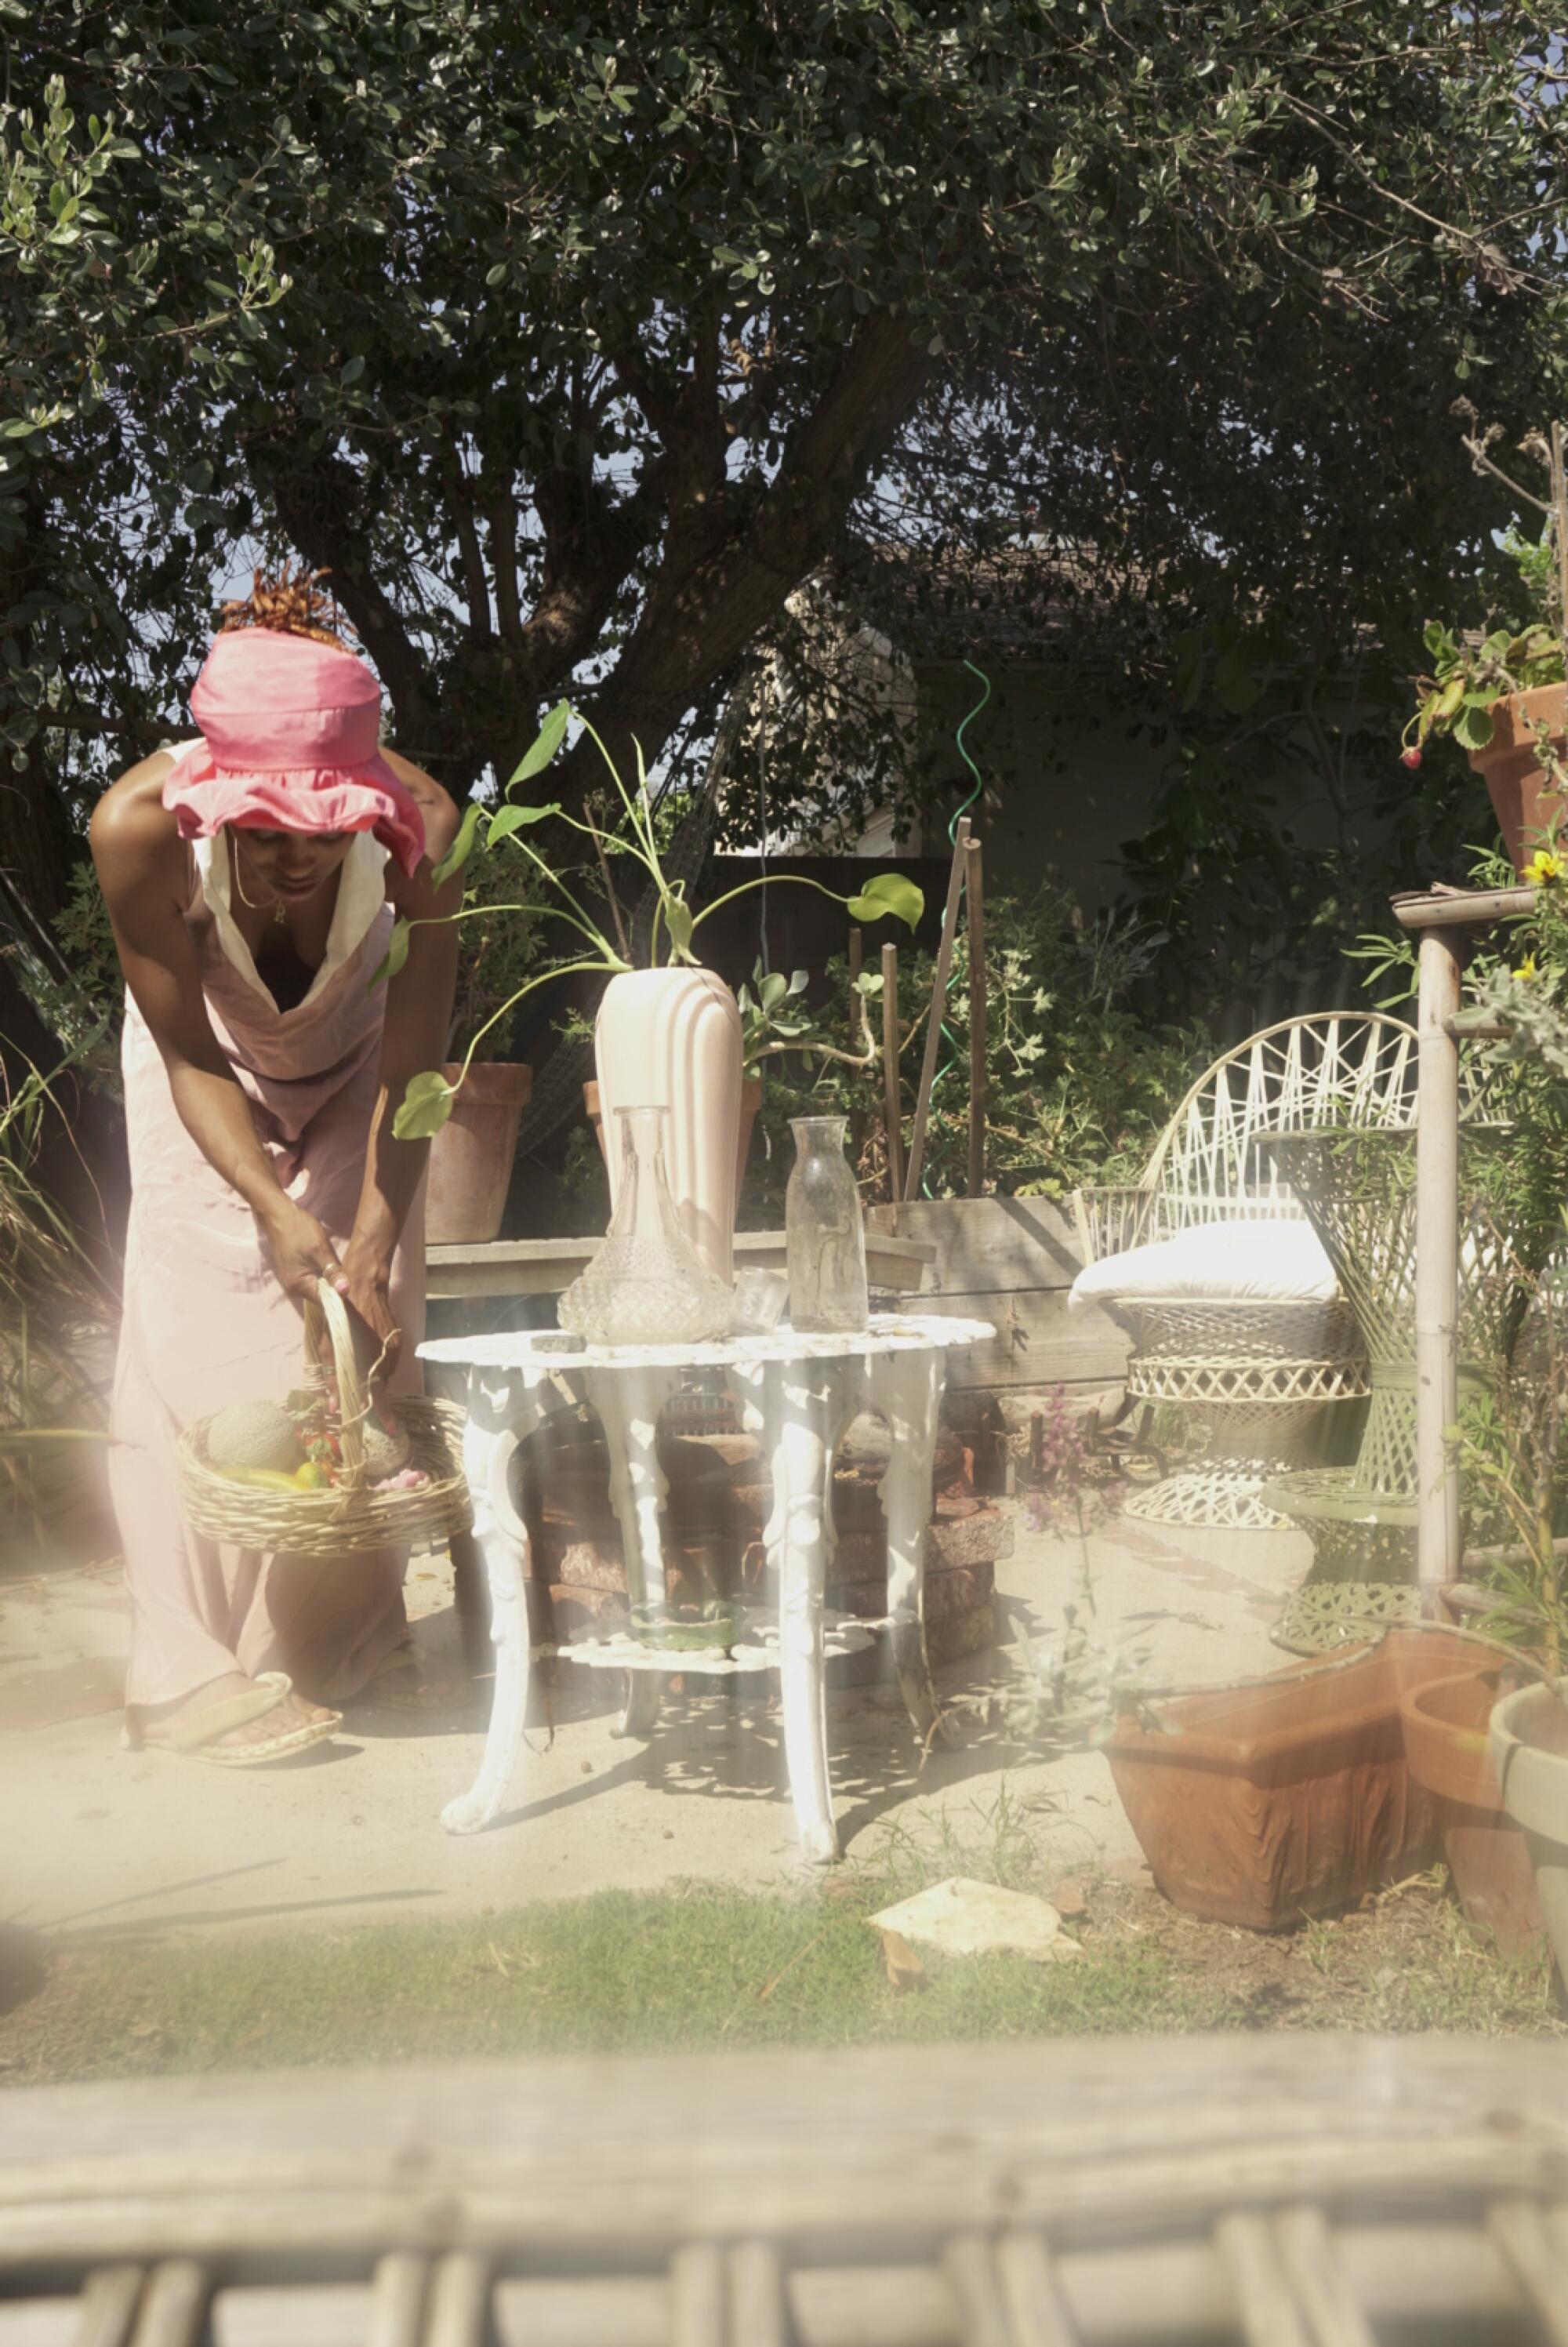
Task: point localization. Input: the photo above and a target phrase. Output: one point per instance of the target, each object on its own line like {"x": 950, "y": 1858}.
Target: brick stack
{"x": 718, "y": 1501}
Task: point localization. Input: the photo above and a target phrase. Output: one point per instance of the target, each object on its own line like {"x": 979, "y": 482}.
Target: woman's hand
{"x": 302, "y": 1255}
{"x": 302, "y": 1251}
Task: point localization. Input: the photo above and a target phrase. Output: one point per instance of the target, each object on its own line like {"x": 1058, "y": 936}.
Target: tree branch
{"x": 477, "y": 586}
{"x": 501, "y": 517}
{"x": 700, "y": 615}
{"x": 317, "y": 505}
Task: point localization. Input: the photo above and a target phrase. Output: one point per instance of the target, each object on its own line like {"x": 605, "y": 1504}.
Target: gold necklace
{"x": 279, "y": 911}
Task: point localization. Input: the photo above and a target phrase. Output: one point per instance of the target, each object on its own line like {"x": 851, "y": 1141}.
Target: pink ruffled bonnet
{"x": 290, "y": 728}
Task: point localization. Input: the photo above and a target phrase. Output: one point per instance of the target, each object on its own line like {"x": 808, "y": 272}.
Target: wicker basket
{"x": 351, "y": 1516}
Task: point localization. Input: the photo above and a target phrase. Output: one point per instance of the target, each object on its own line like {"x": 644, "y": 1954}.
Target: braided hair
{"x": 287, "y": 605}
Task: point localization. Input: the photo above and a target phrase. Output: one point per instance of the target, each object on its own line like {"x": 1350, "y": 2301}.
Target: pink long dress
{"x": 206, "y": 1322}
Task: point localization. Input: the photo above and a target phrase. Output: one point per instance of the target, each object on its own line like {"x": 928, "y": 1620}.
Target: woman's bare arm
{"x": 418, "y": 1013}
{"x": 141, "y": 869}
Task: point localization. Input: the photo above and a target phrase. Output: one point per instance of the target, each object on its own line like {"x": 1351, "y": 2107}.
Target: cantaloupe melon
{"x": 254, "y": 1434}
{"x": 385, "y": 1449}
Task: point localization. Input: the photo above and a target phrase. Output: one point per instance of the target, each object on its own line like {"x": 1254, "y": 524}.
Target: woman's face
{"x": 290, "y": 866}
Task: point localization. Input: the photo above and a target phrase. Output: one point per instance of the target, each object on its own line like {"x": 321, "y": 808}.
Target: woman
{"x": 252, "y": 878}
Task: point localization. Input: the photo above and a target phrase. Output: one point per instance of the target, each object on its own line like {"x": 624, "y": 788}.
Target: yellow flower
{"x": 1544, "y": 865}
{"x": 1527, "y": 967}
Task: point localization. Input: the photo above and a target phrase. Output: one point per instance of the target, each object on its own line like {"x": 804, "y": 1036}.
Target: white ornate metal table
{"x": 800, "y": 1392}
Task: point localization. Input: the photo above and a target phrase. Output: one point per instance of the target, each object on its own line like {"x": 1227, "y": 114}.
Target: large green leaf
{"x": 462, "y": 847}
{"x": 546, "y": 743}
{"x": 889, "y": 893}
{"x": 396, "y": 954}
{"x": 507, "y": 819}
{"x": 1474, "y": 727}
{"x": 425, "y": 1107}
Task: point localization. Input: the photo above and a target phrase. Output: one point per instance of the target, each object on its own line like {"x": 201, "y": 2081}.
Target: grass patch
{"x": 708, "y": 1968}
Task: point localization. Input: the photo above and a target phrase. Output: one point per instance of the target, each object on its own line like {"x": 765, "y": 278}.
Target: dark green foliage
{"x": 573, "y": 340}
{"x": 1078, "y": 1084}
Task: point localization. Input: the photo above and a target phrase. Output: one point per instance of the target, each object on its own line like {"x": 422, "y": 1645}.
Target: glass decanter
{"x": 647, "y": 1285}
{"x": 824, "y": 1235}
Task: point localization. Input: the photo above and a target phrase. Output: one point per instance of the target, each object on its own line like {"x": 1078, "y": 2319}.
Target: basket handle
{"x": 326, "y": 1315}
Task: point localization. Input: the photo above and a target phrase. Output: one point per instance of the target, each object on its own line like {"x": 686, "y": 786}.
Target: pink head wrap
{"x": 289, "y": 743}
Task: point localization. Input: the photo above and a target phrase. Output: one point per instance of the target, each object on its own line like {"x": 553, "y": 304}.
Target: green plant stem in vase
{"x": 570, "y": 898}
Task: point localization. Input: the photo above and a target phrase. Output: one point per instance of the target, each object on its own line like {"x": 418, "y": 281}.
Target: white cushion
{"x": 1274, "y": 1262}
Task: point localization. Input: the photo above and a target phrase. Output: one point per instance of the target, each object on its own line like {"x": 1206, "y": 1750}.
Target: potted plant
{"x": 471, "y": 1155}
{"x": 1490, "y": 1749}
{"x": 1511, "y": 1442}
{"x": 1255, "y": 1800}
{"x": 1529, "y": 1740}
{"x": 668, "y": 1034}
{"x": 1501, "y": 691}
{"x": 1287, "y": 1795}
{"x": 1445, "y": 1726}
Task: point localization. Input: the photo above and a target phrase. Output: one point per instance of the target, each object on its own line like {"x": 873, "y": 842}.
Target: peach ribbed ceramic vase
{"x": 672, "y": 1039}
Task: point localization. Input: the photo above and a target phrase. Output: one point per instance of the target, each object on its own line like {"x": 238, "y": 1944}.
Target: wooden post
{"x": 891, "y": 1110}
{"x": 975, "y": 909}
{"x": 1437, "y": 1263}
{"x": 938, "y": 998}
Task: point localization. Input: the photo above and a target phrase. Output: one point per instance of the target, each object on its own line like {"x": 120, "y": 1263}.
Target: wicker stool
{"x": 1358, "y": 1186}
{"x": 1255, "y": 1376}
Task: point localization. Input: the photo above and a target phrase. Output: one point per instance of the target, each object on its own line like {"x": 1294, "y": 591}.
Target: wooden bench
{"x": 544, "y": 1267}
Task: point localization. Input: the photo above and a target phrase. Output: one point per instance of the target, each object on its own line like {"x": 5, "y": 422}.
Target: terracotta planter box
{"x": 1289, "y": 1797}
{"x": 471, "y": 1156}
{"x": 1446, "y": 1751}
{"x": 1510, "y": 766}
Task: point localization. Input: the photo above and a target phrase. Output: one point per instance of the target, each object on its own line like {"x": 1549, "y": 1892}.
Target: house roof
{"x": 1022, "y": 601}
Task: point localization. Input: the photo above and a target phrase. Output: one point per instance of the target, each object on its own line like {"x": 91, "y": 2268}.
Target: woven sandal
{"x": 193, "y": 1736}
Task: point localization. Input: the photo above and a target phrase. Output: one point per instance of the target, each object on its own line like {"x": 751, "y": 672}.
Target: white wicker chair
{"x": 1255, "y": 1372}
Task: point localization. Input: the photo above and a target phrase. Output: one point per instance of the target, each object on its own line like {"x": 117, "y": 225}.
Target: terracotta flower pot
{"x": 1290, "y": 1797}
{"x": 751, "y": 1108}
{"x": 1521, "y": 799}
{"x": 1446, "y": 1751}
{"x": 471, "y": 1156}
{"x": 1529, "y": 1751}
{"x": 672, "y": 1039}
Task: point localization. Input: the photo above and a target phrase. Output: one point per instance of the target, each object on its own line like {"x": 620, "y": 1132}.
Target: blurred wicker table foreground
{"x": 1288, "y": 2191}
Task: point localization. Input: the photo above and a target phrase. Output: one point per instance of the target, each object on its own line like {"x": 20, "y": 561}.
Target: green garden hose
{"x": 958, "y": 739}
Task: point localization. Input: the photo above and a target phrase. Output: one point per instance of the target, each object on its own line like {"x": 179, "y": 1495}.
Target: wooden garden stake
{"x": 975, "y": 909}
{"x": 890, "y": 1108}
{"x": 859, "y": 1043}
{"x": 939, "y": 999}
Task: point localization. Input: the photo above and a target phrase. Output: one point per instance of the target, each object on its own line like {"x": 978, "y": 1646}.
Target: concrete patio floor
{"x": 98, "y": 1844}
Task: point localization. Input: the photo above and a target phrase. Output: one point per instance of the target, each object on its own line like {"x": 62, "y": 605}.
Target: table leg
{"x": 804, "y": 1410}
{"x": 629, "y": 1401}
{"x": 502, "y": 1542}
{"x": 907, "y": 1388}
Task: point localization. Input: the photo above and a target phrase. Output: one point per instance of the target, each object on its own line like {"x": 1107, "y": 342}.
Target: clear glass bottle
{"x": 824, "y": 1235}
{"x": 647, "y": 1285}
